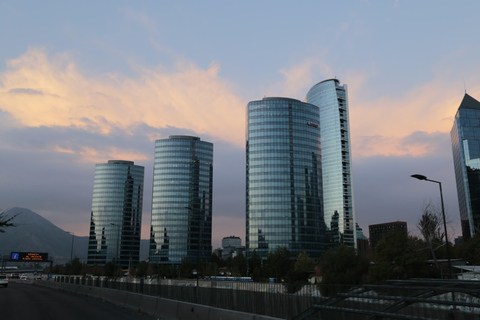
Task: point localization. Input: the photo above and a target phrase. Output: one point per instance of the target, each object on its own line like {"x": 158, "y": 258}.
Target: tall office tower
{"x": 182, "y": 200}
{"x": 116, "y": 217}
{"x": 331, "y": 98}
{"x": 283, "y": 178}
{"x": 465, "y": 136}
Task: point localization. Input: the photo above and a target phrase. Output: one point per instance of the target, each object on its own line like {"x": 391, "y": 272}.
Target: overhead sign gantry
{"x": 24, "y": 257}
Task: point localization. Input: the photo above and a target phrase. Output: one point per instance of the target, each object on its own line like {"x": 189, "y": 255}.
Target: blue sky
{"x": 85, "y": 82}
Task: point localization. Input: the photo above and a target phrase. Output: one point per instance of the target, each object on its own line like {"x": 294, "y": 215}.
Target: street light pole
{"x": 422, "y": 177}
{"x": 71, "y": 249}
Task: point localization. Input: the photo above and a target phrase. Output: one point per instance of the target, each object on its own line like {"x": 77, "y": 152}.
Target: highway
{"x": 20, "y": 301}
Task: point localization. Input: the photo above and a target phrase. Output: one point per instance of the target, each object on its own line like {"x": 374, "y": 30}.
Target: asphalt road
{"x": 22, "y": 301}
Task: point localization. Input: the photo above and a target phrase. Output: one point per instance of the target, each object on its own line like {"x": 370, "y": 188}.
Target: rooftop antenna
{"x": 465, "y": 86}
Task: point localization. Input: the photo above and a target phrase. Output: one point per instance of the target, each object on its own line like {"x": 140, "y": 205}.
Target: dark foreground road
{"x": 21, "y": 301}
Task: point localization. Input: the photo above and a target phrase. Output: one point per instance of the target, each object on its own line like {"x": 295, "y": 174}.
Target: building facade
{"x": 332, "y": 101}
{"x": 465, "y": 137}
{"x": 283, "y": 178}
{"x": 231, "y": 242}
{"x": 231, "y": 246}
{"x": 181, "y": 226}
{"x": 116, "y": 216}
{"x": 378, "y": 231}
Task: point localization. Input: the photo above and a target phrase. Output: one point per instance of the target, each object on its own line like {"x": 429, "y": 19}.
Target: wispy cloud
{"x": 390, "y": 125}
{"x": 188, "y": 97}
{"x": 301, "y": 75}
{"x": 386, "y": 125}
{"x": 140, "y": 17}
{"x": 25, "y": 91}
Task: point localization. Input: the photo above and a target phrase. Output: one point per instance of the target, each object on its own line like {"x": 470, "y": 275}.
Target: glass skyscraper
{"x": 465, "y": 136}
{"x": 283, "y": 178}
{"x": 116, "y": 217}
{"x": 332, "y": 100}
{"x": 182, "y": 201}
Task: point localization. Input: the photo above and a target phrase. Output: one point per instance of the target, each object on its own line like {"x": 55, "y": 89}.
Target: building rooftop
{"x": 120, "y": 162}
{"x": 469, "y": 103}
{"x": 183, "y": 137}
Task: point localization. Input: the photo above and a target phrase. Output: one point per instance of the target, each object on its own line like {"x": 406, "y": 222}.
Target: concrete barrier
{"x": 161, "y": 308}
{"x": 148, "y": 305}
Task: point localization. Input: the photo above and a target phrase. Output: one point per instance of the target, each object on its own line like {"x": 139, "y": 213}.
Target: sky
{"x": 84, "y": 82}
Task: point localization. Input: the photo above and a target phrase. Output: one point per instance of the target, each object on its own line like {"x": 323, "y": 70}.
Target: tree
{"x": 142, "y": 268}
{"x": 278, "y": 263}
{"x": 470, "y": 250}
{"x": 239, "y": 266}
{"x": 298, "y": 276}
{"x": 398, "y": 256}
{"x": 255, "y": 266}
{"x": 75, "y": 267}
{"x": 109, "y": 269}
{"x": 5, "y": 222}
{"x": 186, "y": 268}
{"x": 341, "y": 268}
{"x": 304, "y": 263}
{"x": 430, "y": 226}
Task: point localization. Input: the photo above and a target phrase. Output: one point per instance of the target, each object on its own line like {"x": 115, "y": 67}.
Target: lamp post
{"x": 117, "y": 258}
{"x": 71, "y": 249}
{"x": 422, "y": 177}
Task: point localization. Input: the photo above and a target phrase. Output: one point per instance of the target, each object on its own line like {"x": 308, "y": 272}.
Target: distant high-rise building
{"x": 283, "y": 178}
{"x": 181, "y": 226}
{"x": 332, "y": 100}
{"x": 231, "y": 242}
{"x": 378, "y": 231}
{"x": 230, "y": 246}
{"x": 363, "y": 245}
{"x": 465, "y": 136}
{"x": 116, "y": 217}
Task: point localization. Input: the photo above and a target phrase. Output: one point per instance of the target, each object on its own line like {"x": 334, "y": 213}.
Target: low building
{"x": 378, "y": 231}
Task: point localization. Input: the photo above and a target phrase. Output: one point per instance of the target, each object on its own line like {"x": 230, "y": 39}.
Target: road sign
{"x": 29, "y": 256}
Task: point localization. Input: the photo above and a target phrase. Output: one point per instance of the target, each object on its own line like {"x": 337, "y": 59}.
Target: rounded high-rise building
{"x": 116, "y": 217}
{"x": 181, "y": 226}
{"x": 331, "y": 98}
{"x": 283, "y": 178}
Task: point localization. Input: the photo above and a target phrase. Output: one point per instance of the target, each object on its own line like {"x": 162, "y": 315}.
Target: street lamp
{"x": 71, "y": 249}
{"x": 422, "y": 177}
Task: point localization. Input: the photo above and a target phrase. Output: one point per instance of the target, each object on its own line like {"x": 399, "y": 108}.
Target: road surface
{"x": 23, "y": 301}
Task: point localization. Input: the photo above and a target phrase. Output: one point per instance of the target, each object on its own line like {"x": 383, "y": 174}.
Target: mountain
{"x": 34, "y": 233}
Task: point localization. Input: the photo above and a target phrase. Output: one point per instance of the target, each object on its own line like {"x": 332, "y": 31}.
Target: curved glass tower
{"x": 283, "y": 178}
{"x": 465, "y": 137}
{"x": 332, "y": 100}
{"x": 182, "y": 200}
{"x": 116, "y": 217}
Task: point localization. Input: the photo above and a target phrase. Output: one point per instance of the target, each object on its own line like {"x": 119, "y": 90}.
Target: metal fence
{"x": 408, "y": 299}
{"x": 256, "y": 298}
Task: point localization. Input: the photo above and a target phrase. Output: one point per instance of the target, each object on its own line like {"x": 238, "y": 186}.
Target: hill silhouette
{"x": 34, "y": 233}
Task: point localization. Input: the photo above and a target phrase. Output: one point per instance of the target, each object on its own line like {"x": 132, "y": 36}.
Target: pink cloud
{"x": 38, "y": 90}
